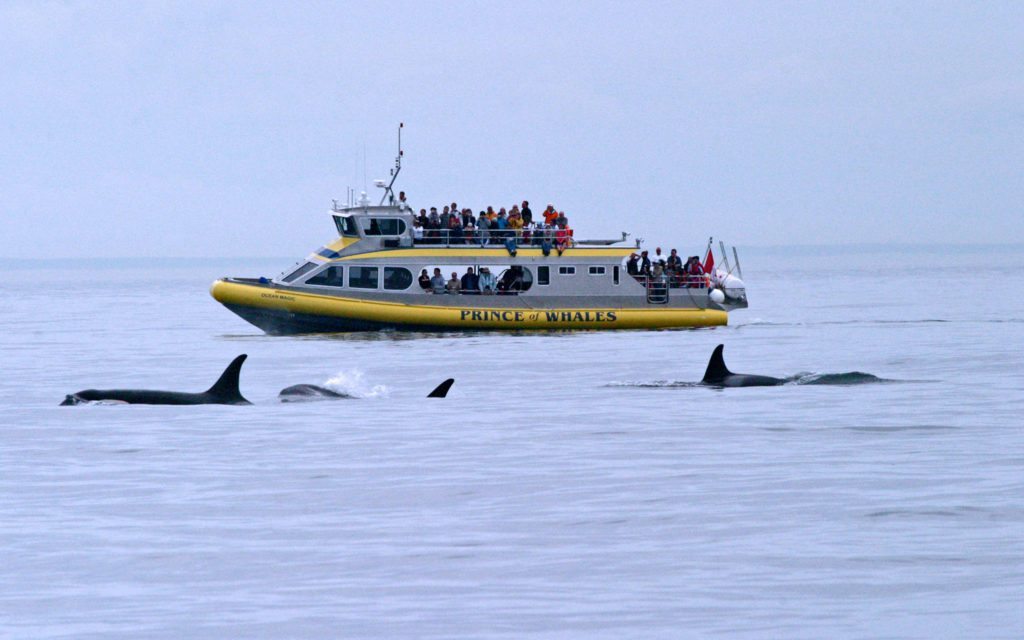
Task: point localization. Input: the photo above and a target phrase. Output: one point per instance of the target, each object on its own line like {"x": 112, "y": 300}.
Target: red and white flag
{"x": 709, "y": 261}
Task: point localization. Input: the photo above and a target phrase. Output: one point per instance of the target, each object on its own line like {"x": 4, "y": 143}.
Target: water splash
{"x": 352, "y": 382}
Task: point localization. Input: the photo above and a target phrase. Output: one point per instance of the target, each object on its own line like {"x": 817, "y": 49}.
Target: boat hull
{"x": 286, "y": 311}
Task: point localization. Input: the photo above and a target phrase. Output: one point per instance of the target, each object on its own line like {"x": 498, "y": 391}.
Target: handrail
{"x": 494, "y": 238}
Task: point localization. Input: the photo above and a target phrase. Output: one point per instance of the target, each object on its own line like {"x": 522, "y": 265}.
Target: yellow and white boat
{"x": 367, "y": 279}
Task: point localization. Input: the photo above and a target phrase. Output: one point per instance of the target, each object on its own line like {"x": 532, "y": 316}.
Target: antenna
{"x": 389, "y": 194}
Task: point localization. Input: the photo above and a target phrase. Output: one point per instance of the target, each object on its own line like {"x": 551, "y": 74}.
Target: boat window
{"x": 543, "y": 275}
{"x": 566, "y": 271}
{"x": 362, "y": 277}
{"x": 597, "y": 271}
{"x": 346, "y": 226}
{"x": 397, "y": 278}
{"x": 383, "y": 226}
{"x": 615, "y": 274}
{"x": 329, "y": 277}
{"x": 515, "y": 279}
{"x": 298, "y": 273}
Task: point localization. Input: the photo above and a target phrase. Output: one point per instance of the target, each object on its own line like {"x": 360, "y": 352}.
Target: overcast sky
{"x": 210, "y": 129}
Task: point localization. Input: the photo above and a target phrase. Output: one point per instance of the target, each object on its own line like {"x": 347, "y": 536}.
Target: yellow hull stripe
{"x": 397, "y": 313}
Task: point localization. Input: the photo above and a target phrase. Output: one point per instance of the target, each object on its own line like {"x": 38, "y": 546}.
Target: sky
{"x": 208, "y": 129}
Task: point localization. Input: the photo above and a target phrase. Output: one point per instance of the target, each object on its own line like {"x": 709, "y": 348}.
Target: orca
{"x": 224, "y": 391}
{"x": 718, "y": 375}
{"x": 309, "y": 392}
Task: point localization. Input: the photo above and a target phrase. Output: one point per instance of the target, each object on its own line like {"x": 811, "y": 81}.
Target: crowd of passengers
{"x": 661, "y": 270}
{"x": 510, "y": 228}
{"x": 471, "y": 283}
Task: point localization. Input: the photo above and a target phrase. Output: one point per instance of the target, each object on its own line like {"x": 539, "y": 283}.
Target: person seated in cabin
{"x": 562, "y": 236}
{"x": 470, "y": 283}
{"x": 632, "y": 265}
{"x": 454, "y": 285}
{"x": 526, "y": 212}
{"x": 424, "y": 281}
{"x": 483, "y": 227}
{"x": 438, "y": 283}
{"x": 488, "y": 283}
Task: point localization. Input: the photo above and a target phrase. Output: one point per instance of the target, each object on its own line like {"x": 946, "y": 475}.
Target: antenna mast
{"x": 389, "y": 195}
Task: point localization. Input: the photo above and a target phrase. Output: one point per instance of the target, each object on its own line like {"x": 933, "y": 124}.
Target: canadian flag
{"x": 709, "y": 261}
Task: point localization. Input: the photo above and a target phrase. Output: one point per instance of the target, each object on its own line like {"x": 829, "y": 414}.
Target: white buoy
{"x": 717, "y": 296}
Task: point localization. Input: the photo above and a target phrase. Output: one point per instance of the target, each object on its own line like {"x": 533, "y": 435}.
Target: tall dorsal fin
{"x": 225, "y": 390}
{"x": 442, "y": 389}
{"x": 716, "y": 371}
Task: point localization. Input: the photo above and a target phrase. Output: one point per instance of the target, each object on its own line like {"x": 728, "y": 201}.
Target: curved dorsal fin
{"x": 442, "y": 389}
{"x": 226, "y": 388}
{"x": 716, "y": 371}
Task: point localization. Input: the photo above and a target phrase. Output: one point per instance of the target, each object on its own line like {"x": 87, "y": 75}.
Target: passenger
{"x": 501, "y": 224}
{"x": 491, "y": 215}
{"x": 467, "y": 217}
{"x": 526, "y": 213}
{"x": 483, "y": 225}
{"x": 562, "y": 239}
{"x": 425, "y": 281}
{"x": 645, "y": 264}
{"x": 402, "y": 204}
{"x": 470, "y": 283}
{"x": 455, "y": 231}
{"x": 437, "y": 283}
{"x": 633, "y": 265}
{"x": 423, "y": 219}
{"x": 675, "y": 263}
{"x": 469, "y": 232}
{"x": 528, "y": 230}
{"x": 454, "y": 285}
{"x": 417, "y": 231}
{"x": 695, "y": 273}
{"x": 433, "y": 227}
{"x": 488, "y": 283}
{"x": 445, "y": 224}
{"x": 547, "y": 236}
{"x": 561, "y": 220}
{"x": 515, "y": 224}
{"x": 549, "y": 215}
{"x": 658, "y": 257}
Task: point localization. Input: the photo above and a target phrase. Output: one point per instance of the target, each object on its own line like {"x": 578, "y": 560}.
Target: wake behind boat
{"x": 511, "y": 273}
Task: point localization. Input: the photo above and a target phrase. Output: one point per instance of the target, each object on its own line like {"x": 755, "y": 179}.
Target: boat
{"x": 366, "y": 279}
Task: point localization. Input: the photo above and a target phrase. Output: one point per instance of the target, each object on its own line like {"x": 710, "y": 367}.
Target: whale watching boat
{"x": 367, "y": 279}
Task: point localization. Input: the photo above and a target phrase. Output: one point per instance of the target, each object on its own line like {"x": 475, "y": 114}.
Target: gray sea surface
{"x": 571, "y": 485}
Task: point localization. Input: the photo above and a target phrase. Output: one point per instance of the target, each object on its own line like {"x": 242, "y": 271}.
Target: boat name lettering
{"x": 549, "y": 316}
{"x": 277, "y": 296}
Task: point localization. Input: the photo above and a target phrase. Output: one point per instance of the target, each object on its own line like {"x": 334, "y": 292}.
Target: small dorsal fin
{"x": 716, "y": 371}
{"x": 226, "y": 388}
{"x": 442, "y": 389}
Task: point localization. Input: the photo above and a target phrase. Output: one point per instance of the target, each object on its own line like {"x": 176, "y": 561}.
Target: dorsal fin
{"x": 716, "y": 371}
{"x": 225, "y": 390}
{"x": 442, "y": 389}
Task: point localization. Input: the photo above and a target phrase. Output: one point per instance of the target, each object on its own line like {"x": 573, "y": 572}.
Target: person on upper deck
{"x": 401, "y": 202}
{"x": 417, "y": 230}
{"x": 488, "y": 283}
{"x": 561, "y": 220}
{"x": 695, "y": 273}
{"x": 527, "y": 213}
{"x": 633, "y": 265}
{"x": 645, "y": 264}
{"x": 455, "y": 231}
{"x": 562, "y": 237}
{"x": 550, "y": 214}
{"x": 470, "y": 282}
{"x": 437, "y": 283}
{"x": 674, "y": 263}
{"x": 483, "y": 225}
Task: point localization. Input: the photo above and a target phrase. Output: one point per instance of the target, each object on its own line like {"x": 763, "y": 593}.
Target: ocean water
{"x": 572, "y": 485}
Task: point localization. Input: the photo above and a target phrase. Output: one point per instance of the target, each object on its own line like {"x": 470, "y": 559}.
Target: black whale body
{"x": 224, "y": 391}
{"x": 718, "y": 375}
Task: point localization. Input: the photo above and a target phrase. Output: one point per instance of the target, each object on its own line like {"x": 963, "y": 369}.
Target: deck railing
{"x": 495, "y": 238}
